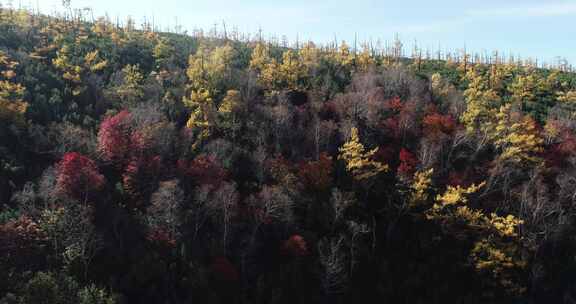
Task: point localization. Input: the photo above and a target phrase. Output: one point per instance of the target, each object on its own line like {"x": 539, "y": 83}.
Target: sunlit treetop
{"x": 230, "y": 102}
{"x": 209, "y": 68}
{"x": 358, "y": 161}
{"x": 517, "y": 138}
{"x": 12, "y": 105}
{"x": 365, "y": 60}
{"x": 420, "y": 187}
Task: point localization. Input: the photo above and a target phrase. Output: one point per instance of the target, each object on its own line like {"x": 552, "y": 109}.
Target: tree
{"x": 72, "y": 235}
{"x": 223, "y": 207}
{"x": 140, "y": 179}
{"x": 534, "y": 93}
{"x": 163, "y": 214}
{"x": 203, "y": 170}
{"x": 343, "y": 55}
{"x": 272, "y": 204}
{"x": 114, "y": 136}
{"x": 202, "y": 106}
{"x": 130, "y": 91}
{"x": 163, "y": 53}
{"x": 91, "y": 294}
{"x": 408, "y": 163}
{"x": 78, "y": 177}
{"x": 293, "y": 72}
{"x": 317, "y": 175}
{"x": 310, "y": 56}
{"x": 497, "y": 251}
{"x": 295, "y": 246}
{"x": 22, "y": 245}
{"x": 517, "y": 138}
{"x": 42, "y": 288}
{"x": 437, "y": 126}
{"x": 267, "y": 68}
{"x": 75, "y": 67}
{"x": 12, "y": 105}
{"x": 420, "y": 187}
{"x": 209, "y": 69}
{"x": 228, "y": 110}
{"x": 358, "y": 161}
{"x": 260, "y": 58}
{"x": 365, "y": 61}
{"x": 482, "y": 102}
{"x": 335, "y": 278}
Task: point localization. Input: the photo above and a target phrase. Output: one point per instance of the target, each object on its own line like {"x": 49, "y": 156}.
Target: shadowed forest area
{"x": 139, "y": 166}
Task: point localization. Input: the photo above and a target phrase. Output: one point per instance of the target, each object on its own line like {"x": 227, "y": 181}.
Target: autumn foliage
{"x": 115, "y": 138}
{"x": 21, "y": 241}
{"x": 78, "y": 176}
{"x": 203, "y": 170}
{"x": 140, "y": 166}
{"x": 295, "y": 246}
{"x": 408, "y": 163}
{"x": 436, "y": 125}
{"x": 317, "y": 175}
{"x": 140, "y": 177}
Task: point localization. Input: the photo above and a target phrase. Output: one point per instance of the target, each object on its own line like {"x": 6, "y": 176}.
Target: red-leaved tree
{"x": 141, "y": 178}
{"x": 438, "y": 126}
{"x": 203, "y": 170}
{"x": 408, "y": 163}
{"x": 317, "y": 175}
{"x": 295, "y": 246}
{"x": 78, "y": 176}
{"x": 115, "y": 138}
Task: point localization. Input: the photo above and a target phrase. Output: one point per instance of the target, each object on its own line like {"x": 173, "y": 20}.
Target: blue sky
{"x": 542, "y": 29}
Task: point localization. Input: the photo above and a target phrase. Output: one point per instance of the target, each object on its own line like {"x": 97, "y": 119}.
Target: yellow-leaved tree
{"x": 517, "y": 138}
{"x": 309, "y": 56}
{"x": 227, "y": 112}
{"x": 358, "y": 161}
{"x": 208, "y": 71}
{"x": 74, "y": 68}
{"x": 293, "y": 72}
{"x": 481, "y": 102}
{"x": 454, "y": 196}
{"x": 265, "y": 66}
{"x": 496, "y": 252}
{"x": 210, "y": 68}
{"x": 131, "y": 90}
{"x": 365, "y": 60}
{"x": 12, "y": 105}
{"x": 343, "y": 55}
{"x": 202, "y": 106}
{"x": 420, "y": 187}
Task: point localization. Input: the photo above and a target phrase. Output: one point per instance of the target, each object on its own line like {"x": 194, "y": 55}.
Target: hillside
{"x": 146, "y": 167}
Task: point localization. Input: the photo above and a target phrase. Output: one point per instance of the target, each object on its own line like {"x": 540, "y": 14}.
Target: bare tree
{"x": 333, "y": 261}
{"x": 72, "y": 234}
{"x": 356, "y": 230}
{"x": 199, "y": 210}
{"x": 274, "y": 204}
{"x": 165, "y": 209}
{"x": 222, "y": 206}
{"x": 340, "y": 202}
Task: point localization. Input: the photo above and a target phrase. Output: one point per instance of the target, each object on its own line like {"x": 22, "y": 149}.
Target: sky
{"x": 542, "y": 29}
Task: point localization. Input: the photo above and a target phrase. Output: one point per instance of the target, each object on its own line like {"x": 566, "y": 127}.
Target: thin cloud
{"x": 546, "y": 10}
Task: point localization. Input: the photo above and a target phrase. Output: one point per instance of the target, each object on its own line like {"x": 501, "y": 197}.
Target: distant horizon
{"x": 443, "y": 30}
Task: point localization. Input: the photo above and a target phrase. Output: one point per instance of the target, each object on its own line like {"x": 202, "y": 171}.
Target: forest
{"x": 141, "y": 166}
